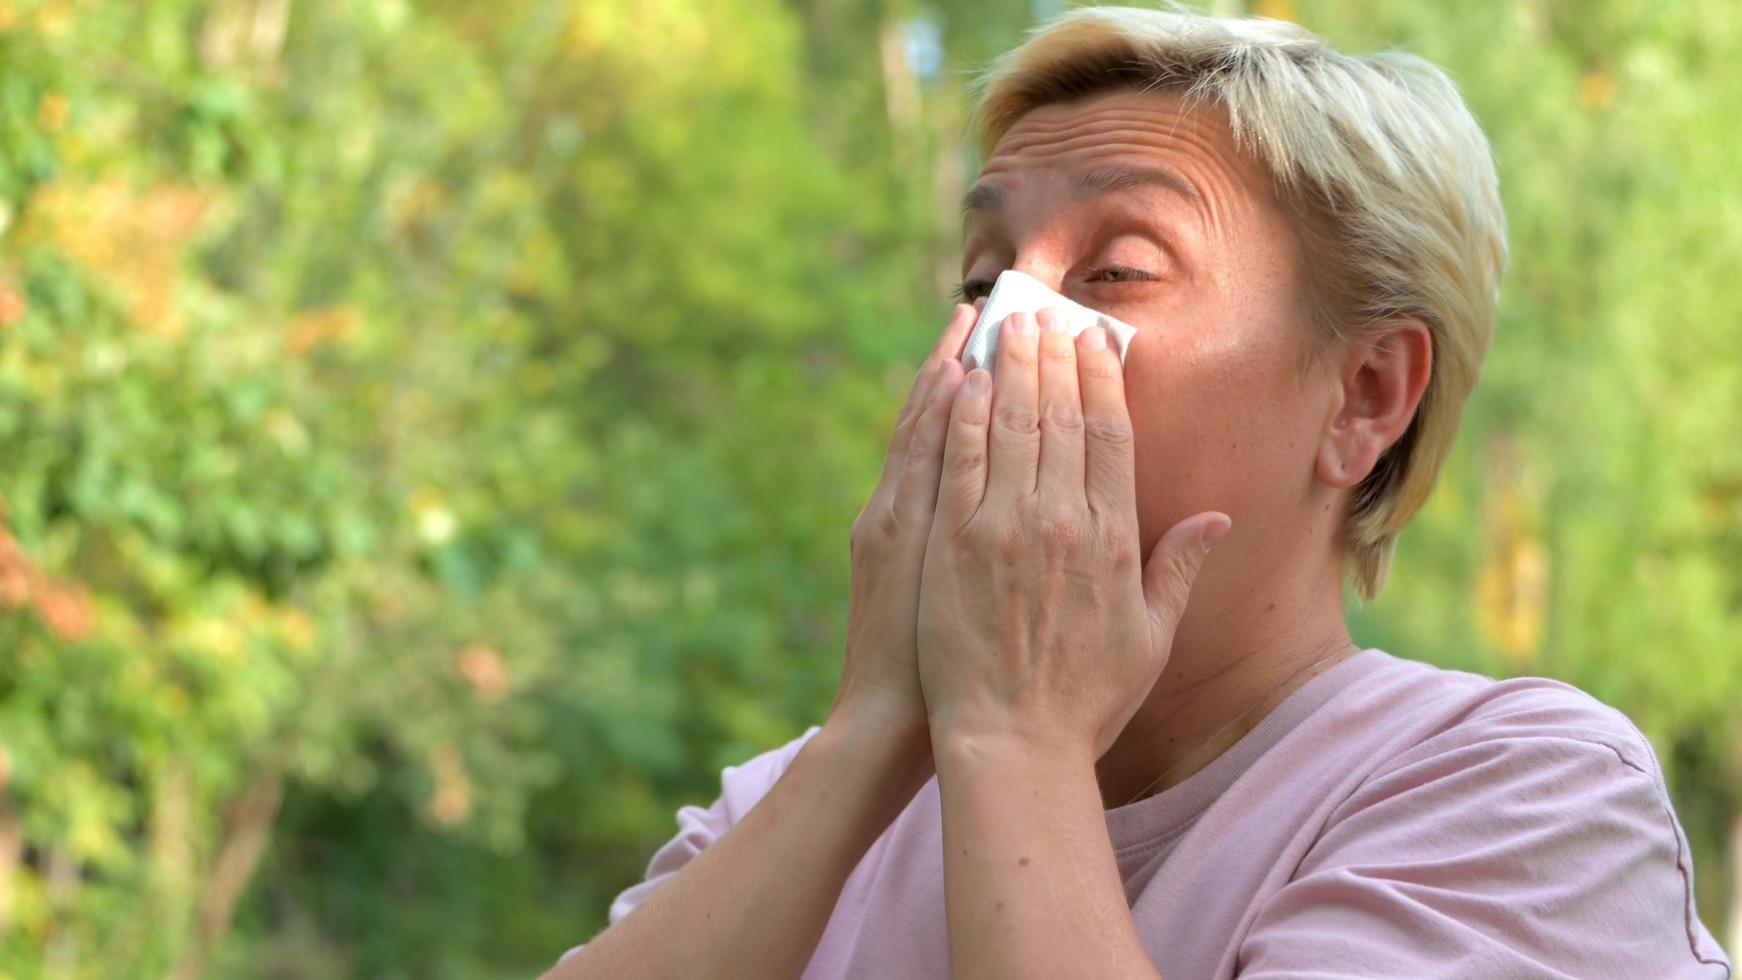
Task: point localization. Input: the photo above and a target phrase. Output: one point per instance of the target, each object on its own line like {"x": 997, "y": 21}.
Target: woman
{"x": 1042, "y": 761}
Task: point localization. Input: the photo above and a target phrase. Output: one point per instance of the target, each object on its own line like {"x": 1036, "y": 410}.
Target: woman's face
{"x": 1129, "y": 205}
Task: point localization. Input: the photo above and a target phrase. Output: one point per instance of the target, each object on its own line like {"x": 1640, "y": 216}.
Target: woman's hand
{"x": 1038, "y": 618}
{"x": 880, "y": 679}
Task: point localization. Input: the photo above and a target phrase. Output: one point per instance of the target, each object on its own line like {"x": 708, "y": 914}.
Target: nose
{"x": 1051, "y": 274}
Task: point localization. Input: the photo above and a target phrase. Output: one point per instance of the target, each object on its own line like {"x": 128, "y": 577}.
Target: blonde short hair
{"x": 1389, "y": 178}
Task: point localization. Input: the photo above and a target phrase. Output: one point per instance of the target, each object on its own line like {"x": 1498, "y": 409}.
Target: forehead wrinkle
{"x": 1189, "y": 132}
{"x": 1036, "y": 124}
{"x": 1141, "y": 133}
{"x": 1139, "y": 107}
{"x": 1134, "y": 110}
{"x": 1118, "y": 173}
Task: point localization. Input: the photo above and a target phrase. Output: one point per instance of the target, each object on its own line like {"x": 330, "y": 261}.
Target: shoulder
{"x": 1492, "y": 764}
{"x": 1521, "y": 819}
{"x": 1481, "y": 759}
{"x": 1400, "y": 710}
{"x": 1456, "y": 708}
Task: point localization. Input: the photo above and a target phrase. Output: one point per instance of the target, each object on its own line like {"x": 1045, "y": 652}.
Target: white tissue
{"x": 1018, "y": 292}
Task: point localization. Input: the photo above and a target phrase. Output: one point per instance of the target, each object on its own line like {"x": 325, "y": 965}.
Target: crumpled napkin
{"x": 1019, "y": 292}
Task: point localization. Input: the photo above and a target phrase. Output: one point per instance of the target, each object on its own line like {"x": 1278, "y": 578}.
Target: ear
{"x": 1380, "y": 383}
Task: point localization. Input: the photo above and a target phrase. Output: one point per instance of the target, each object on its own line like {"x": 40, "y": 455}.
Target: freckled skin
{"x": 1223, "y": 416}
{"x": 1227, "y": 407}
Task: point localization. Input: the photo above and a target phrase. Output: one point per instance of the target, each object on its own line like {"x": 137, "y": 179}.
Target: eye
{"x": 1120, "y": 273}
{"x": 972, "y": 289}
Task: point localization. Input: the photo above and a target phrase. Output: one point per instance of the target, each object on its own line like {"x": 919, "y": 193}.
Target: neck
{"x": 1245, "y": 644}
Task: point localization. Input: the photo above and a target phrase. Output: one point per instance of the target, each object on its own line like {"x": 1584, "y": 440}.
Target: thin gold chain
{"x": 1242, "y": 716}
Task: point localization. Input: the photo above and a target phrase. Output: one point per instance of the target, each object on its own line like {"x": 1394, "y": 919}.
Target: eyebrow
{"x": 1093, "y": 183}
{"x": 982, "y": 197}
{"x": 1107, "y": 179}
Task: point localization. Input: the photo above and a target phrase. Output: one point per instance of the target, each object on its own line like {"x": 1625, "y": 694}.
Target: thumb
{"x": 1173, "y": 566}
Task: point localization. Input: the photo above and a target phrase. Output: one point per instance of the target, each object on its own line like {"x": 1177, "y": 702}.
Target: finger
{"x": 1013, "y": 441}
{"x": 917, "y": 493}
{"x": 955, "y": 335}
{"x": 949, "y": 346}
{"x": 1061, "y": 415}
{"x": 1174, "y": 564}
{"x": 1110, "y": 468}
{"x": 962, "y": 486}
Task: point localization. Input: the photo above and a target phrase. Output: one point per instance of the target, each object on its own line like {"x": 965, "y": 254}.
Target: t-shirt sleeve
{"x": 1525, "y": 846}
{"x": 741, "y": 788}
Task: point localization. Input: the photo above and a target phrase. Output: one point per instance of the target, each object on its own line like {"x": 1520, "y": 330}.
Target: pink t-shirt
{"x": 1389, "y": 819}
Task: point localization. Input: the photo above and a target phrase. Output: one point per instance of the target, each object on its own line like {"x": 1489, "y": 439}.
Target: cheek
{"x": 1218, "y": 418}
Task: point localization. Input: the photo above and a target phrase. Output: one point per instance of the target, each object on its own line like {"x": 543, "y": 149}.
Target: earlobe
{"x": 1381, "y": 384}
{"x": 1331, "y": 466}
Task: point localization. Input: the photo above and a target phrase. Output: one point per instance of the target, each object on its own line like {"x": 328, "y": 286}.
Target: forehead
{"x": 1125, "y": 129}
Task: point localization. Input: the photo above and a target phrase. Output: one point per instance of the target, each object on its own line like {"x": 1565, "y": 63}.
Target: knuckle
{"x": 967, "y": 462}
{"x": 922, "y": 413}
{"x": 899, "y": 437}
{"x": 889, "y": 523}
{"x": 1062, "y": 529}
{"x": 971, "y": 417}
{"x": 1108, "y": 430}
{"x": 1112, "y": 538}
{"x": 1064, "y": 417}
{"x": 863, "y": 539}
{"x": 1119, "y": 546}
{"x": 938, "y": 414}
{"x": 929, "y": 437}
{"x": 1018, "y": 420}
{"x": 874, "y": 526}
{"x": 1058, "y": 347}
{"x": 923, "y": 377}
{"x": 922, "y": 446}
{"x": 1107, "y": 368}
{"x": 1179, "y": 572}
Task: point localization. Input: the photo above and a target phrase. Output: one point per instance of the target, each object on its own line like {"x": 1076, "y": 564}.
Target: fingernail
{"x": 1022, "y": 324}
{"x": 977, "y": 381}
{"x": 1054, "y": 324}
{"x": 1212, "y": 534}
{"x": 1095, "y": 338}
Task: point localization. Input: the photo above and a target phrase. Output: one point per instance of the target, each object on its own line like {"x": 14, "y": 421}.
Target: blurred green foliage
{"x": 429, "y": 433}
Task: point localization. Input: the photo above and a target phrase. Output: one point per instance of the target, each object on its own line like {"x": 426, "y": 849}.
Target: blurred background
{"x": 429, "y": 434}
